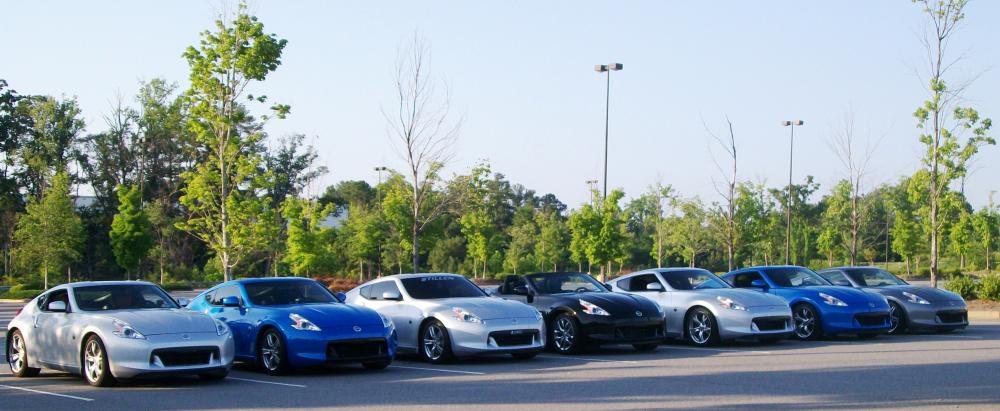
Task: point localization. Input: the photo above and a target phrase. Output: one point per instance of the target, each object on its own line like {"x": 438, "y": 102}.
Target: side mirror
{"x": 654, "y": 287}
{"x": 230, "y": 301}
{"x": 341, "y": 297}
{"x": 608, "y": 286}
{"x": 183, "y": 302}
{"x": 759, "y": 284}
{"x": 57, "y": 306}
{"x": 392, "y": 296}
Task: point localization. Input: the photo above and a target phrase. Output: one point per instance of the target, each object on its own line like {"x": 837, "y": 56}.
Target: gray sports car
{"x": 704, "y": 309}
{"x": 116, "y": 329}
{"x": 910, "y": 307}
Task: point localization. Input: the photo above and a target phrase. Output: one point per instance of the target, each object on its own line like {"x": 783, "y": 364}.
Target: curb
{"x": 5, "y": 300}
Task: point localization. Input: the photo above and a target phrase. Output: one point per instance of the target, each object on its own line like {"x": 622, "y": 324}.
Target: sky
{"x": 520, "y": 75}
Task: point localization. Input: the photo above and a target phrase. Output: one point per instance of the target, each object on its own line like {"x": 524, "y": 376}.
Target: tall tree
{"x": 223, "y": 193}
{"x": 310, "y": 244}
{"x": 523, "y": 236}
{"x": 53, "y": 142}
{"x": 49, "y": 235}
{"x": 987, "y": 228}
{"x": 962, "y": 237}
{"x": 855, "y": 162}
{"x": 689, "y": 233}
{"x": 553, "y": 238}
{"x": 940, "y": 118}
{"x": 131, "y": 231}
{"x": 14, "y": 125}
{"x": 725, "y": 213}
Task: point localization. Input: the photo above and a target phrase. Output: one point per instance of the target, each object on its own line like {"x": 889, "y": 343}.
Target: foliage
{"x": 131, "y": 236}
{"x": 964, "y": 286}
{"x": 49, "y": 235}
{"x": 989, "y": 287}
{"x": 309, "y": 244}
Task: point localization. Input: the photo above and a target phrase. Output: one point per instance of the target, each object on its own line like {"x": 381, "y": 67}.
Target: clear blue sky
{"x": 521, "y": 74}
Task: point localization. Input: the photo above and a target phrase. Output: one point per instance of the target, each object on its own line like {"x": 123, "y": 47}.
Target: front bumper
{"x": 772, "y": 321}
{"x": 938, "y": 315}
{"x": 609, "y": 330}
{"x": 496, "y": 336}
{"x": 854, "y": 320}
{"x": 339, "y": 345}
{"x": 170, "y": 354}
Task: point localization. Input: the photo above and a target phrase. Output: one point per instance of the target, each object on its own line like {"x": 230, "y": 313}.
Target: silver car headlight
{"x": 124, "y": 330}
{"x": 592, "y": 309}
{"x": 387, "y": 322}
{"x": 301, "y": 323}
{"x": 462, "y": 315}
{"x": 916, "y": 299}
{"x": 727, "y": 302}
{"x": 221, "y": 328}
{"x": 831, "y": 300}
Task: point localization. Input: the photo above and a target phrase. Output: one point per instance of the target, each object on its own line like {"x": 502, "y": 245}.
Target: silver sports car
{"x": 441, "y": 316}
{"x": 115, "y": 329}
{"x": 704, "y": 309}
{"x": 910, "y": 307}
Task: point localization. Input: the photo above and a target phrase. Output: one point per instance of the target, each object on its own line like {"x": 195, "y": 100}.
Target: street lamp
{"x": 601, "y": 68}
{"x": 592, "y": 185}
{"x": 378, "y": 199}
{"x": 788, "y": 202}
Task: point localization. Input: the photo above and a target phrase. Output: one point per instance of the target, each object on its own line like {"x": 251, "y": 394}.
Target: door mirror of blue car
{"x": 392, "y": 296}
{"x": 608, "y": 286}
{"x": 230, "y": 301}
{"x": 759, "y": 284}
{"x": 183, "y": 302}
{"x": 654, "y": 287}
{"x": 341, "y": 297}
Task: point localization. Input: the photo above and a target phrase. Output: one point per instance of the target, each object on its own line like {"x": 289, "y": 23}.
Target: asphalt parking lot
{"x": 911, "y": 371}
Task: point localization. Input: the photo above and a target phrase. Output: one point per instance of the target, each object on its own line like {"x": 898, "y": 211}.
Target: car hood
{"x": 927, "y": 293}
{"x": 165, "y": 321}
{"x": 845, "y": 294}
{"x": 618, "y": 304}
{"x": 488, "y": 308}
{"x": 746, "y": 298}
{"x": 329, "y": 315}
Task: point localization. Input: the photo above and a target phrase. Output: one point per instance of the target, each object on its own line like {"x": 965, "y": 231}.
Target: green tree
{"x": 962, "y": 237}
{"x": 553, "y": 239}
{"x": 222, "y": 196}
{"x": 53, "y": 142}
{"x": 309, "y": 244}
{"x": 523, "y": 236}
{"x": 907, "y": 231}
{"x": 689, "y": 233}
{"x": 131, "y": 236}
{"x": 363, "y": 231}
{"x": 49, "y": 235}
{"x": 986, "y": 222}
{"x": 584, "y": 225}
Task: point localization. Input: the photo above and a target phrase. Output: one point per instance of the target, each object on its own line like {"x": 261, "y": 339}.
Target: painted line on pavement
{"x": 267, "y": 382}
{"x": 46, "y": 393}
{"x": 438, "y": 369}
{"x": 559, "y": 357}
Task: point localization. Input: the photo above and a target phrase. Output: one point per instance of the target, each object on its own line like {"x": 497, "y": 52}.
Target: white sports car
{"x": 115, "y": 329}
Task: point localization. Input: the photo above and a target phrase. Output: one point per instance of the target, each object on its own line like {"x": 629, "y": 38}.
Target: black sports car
{"x": 579, "y": 311}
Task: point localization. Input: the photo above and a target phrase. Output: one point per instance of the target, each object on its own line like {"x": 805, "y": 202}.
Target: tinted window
{"x": 512, "y": 282}
{"x": 122, "y": 297}
{"x": 639, "y": 282}
{"x": 227, "y": 291}
{"x": 565, "y": 283}
{"x": 624, "y": 284}
{"x": 441, "y": 286}
{"x": 692, "y": 280}
{"x": 874, "y": 278}
{"x": 836, "y": 277}
{"x": 287, "y": 292}
{"x": 57, "y": 295}
{"x": 795, "y": 277}
{"x": 364, "y": 292}
{"x": 744, "y": 280}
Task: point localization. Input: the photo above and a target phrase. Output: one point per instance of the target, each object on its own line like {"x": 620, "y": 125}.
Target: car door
{"x": 53, "y": 331}
{"x": 514, "y": 288}
{"x": 406, "y": 317}
{"x": 234, "y": 317}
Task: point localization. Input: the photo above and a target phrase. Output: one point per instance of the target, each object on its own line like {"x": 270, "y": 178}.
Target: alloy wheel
{"x": 805, "y": 322}
{"x": 434, "y": 342}
{"x": 563, "y": 334}
{"x": 270, "y": 352}
{"x": 93, "y": 364}
{"x": 700, "y": 328}
{"x": 16, "y": 355}
{"x": 895, "y": 318}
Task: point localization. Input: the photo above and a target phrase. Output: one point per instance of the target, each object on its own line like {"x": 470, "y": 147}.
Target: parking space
{"x": 921, "y": 370}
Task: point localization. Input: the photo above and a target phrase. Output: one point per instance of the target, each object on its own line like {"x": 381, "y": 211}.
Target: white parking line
{"x": 559, "y": 357}
{"x": 267, "y": 382}
{"x": 438, "y": 369}
{"x": 46, "y": 393}
{"x": 719, "y": 350}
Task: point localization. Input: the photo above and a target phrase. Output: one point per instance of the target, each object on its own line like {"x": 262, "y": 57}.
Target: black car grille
{"x": 952, "y": 316}
{"x": 356, "y": 349}
{"x": 771, "y": 323}
{"x": 513, "y": 337}
{"x": 174, "y": 357}
{"x": 872, "y": 320}
{"x": 634, "y": 333}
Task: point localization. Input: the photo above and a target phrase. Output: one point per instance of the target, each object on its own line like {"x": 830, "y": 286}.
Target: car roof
{"x": 267, "y": 279}
{"x": 93, "y": 283}
{"x": 555, "y": 273}
{"x": 856, "y": 267}
{"x": 417, "y": 275}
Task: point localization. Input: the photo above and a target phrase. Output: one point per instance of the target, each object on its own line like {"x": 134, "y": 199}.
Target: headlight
{"x": 301, "y": 323}
{"x": 916, "y": 299}
{"x": 831, "y": 300}
{"x": 538, "y": 315}
{"x": 124, "y": 330}
{"x": 221, "y": 328}
{"x": 592, "y": 309}
{"x": 386, "y": 322}
{"x": 730, "y": 304}
{"x": 466, "y": 316}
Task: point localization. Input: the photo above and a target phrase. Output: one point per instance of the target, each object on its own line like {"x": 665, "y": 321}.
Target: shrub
{"x": 989, "y": 287}
{"x": 21, "y": 294}
{"x": 924, "y": 272}
{"x": 177, "y": 286}
{"x": 338, "y": 285}
{"x": 964, "y": 286}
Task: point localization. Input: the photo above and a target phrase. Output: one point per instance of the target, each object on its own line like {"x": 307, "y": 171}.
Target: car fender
{"x": 101, "y": 327}
{"x": 258, "y": 330}
{"x": 806, "y": 300}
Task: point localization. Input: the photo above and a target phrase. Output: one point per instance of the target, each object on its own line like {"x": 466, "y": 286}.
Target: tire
{"x": 645, "y": 347}
{"x": 564, "y": 334}
{"x": 435, "y": 344}
{"x": 214, "y": 375}
{"x": 701, "y": 328}
{"x": 807, "y": 323}
{"x": 272, "y": 355}
{"x": 897, "y": 319}
{"x": 524, "y": 355}
{"x": 17, "y": 356}
{"x": 96, "y": 367}
{"x": 376, "y": 365}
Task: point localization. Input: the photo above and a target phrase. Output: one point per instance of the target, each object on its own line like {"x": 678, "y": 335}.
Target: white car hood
{"x": 165, "y": 321}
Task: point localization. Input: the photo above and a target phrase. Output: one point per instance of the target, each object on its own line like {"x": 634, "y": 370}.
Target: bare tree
{"x": 424, "y": 132}
{"x": 726, "y": 212}
{"x": 855, "y": 162}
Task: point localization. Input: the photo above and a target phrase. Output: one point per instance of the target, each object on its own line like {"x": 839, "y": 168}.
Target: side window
{"x": 382, "y": 287}
{"x": 744, "y": 280}
{"x": 624, "y": 284}
{"x": 227, "y": 291}
{"x": 836, "y": 277}
{"x": 511, "y": 282}
{"x": 365, "y": 292}
{"x": 640, "y": 282}
{"x": 57, "y": 295}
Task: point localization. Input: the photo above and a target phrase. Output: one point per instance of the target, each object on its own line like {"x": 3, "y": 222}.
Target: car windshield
{"x": 122, "y": 297}
{"x": 441, "y": 286}
{"x": 874, "y": 278}
{"x": 692, "y": 280}
{"x": 565, "y": 283}
{"x": 288, "y": 292}
{"x": 795, "y": 277}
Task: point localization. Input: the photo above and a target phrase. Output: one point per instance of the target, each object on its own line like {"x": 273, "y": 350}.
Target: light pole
{"x": 788, "y": 202}
{"x": 592, "y": 184}
{"x": 378, "y": 199}
{"x": 601, "y": 68}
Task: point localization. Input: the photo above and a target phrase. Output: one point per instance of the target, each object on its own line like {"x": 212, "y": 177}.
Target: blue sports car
{"x": 286, "y": 323}
{"x": 818, "y": 307}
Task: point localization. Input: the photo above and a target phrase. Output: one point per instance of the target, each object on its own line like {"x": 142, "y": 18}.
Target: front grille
{"x": 872, "y": 320}
{"x": 771, "y": 323}
{"x": 356, "y": 349}
{"x": 175, "y": 357}
{"x": 952, "y": 316}
{"x": 513, "y": 337}
{"x": 635, "y": 333}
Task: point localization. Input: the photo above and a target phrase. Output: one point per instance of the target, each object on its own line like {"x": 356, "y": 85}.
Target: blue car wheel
{"x": 807, "y": 322}
{"x": 271, "y": 353}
